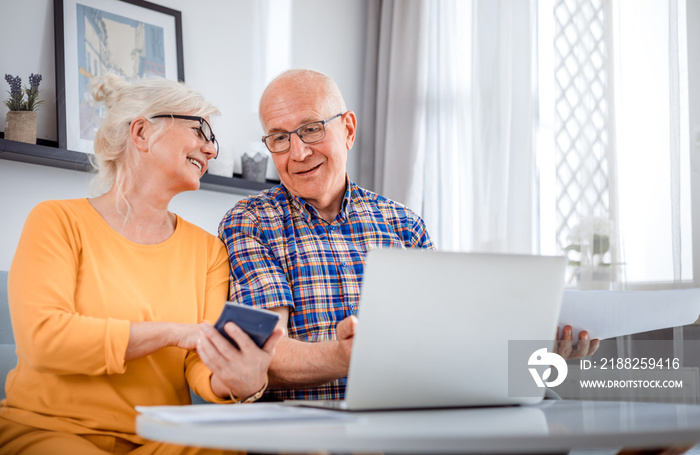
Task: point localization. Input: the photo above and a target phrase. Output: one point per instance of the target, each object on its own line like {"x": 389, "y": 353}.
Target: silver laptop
{"x": 434, "y": 327}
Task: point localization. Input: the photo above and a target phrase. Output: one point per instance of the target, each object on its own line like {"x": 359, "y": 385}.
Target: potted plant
{"x": 20, "y": 121}
{"x": 591, "y": 242}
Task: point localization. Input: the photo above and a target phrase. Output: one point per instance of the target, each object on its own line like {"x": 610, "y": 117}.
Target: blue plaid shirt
{"x": 282, "y": 253}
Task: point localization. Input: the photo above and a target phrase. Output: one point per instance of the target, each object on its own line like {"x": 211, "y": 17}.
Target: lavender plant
{"x": 16, "y": 102}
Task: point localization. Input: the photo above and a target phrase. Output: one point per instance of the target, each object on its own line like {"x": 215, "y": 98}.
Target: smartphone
{"x": 256, "y": 322}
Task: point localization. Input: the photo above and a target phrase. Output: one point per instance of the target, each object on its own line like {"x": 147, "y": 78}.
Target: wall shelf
{"x": 47, "y": 153}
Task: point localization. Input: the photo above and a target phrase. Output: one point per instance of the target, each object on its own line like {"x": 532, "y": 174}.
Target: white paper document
{"x": 607, "y": 314}
{"x": 245, "y": 413}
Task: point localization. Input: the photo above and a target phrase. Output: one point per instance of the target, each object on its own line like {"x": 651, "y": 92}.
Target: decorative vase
{"x": 254, "y": 167}
{"x": 20, "y": 126}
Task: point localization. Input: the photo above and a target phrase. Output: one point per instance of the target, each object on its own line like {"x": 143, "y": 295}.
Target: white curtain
{"x": 678, "y": 109}
{"x": 653, "y": 143}
{"x": 449, "y": 118}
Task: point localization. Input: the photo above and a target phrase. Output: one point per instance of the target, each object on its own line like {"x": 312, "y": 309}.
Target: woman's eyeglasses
{"x": 204, "y": 128}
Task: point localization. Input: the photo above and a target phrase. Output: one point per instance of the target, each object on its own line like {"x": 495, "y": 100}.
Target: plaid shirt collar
{"x": 310, "y": 213}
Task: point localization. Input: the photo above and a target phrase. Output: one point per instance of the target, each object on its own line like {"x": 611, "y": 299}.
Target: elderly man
{"x": 299, "y": 248}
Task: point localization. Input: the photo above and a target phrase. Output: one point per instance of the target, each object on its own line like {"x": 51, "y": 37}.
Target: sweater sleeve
{"x": 198, "y": 374}
{"x": 50, "y": 335}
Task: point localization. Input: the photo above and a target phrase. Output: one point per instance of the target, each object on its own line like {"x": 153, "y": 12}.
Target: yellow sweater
{"x": 74, "y": 287}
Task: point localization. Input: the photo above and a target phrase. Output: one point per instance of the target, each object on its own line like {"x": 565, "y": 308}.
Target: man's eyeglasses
{"x": 309, "y": 133}
{"x": 204, "y": 128}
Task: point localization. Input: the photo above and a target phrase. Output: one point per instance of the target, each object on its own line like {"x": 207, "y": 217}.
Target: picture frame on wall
{"x": 131, "y": 38}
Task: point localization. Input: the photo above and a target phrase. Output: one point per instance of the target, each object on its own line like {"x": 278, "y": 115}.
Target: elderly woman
{"x": 111, "y": 296}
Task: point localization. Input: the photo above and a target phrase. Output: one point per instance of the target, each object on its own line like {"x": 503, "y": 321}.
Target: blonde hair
{"x": 333, "y": 102}
{"x": 115, "y": 155}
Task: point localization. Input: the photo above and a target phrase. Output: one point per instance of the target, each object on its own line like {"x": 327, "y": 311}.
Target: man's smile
{"x": 308, "y": 171}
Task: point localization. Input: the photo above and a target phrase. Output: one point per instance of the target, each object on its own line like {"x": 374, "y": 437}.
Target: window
{"x": 613, "y": 141}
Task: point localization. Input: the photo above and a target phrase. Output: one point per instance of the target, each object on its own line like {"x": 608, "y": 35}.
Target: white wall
{"x": 219, "y": 54}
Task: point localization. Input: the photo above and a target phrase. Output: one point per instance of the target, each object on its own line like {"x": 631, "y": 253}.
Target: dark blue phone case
{"x": 257, "y": 323}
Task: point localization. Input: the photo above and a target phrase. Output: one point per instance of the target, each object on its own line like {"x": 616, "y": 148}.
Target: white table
{"x": 553, "y": 426}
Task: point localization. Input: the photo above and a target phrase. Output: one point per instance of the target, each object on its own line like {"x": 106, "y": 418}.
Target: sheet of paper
{"x": 244, "y": 413}
{"x": 607, "y": 314}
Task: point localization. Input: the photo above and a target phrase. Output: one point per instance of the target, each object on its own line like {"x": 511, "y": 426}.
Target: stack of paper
{"x": 246, "y": 413}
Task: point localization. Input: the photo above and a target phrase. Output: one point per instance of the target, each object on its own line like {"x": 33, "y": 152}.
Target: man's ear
{"x": 350, "y": 129}
{"x": 140, "y": 130}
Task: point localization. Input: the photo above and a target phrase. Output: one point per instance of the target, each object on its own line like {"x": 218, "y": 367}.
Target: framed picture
{"x": 131, "y": 38}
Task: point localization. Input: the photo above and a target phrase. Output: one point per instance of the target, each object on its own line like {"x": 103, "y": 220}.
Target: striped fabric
{"x": 283, "y": 253}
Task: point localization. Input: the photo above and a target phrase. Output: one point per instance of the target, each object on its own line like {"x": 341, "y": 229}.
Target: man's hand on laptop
{"x": 300, "y": 364}
{"x": 566, "y": 348}
{"x": 346, "y": 334}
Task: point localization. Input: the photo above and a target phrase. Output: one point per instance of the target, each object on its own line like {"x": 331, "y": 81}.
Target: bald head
{"x": 303, "y": 83}
{"x": 314, "y": 170}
